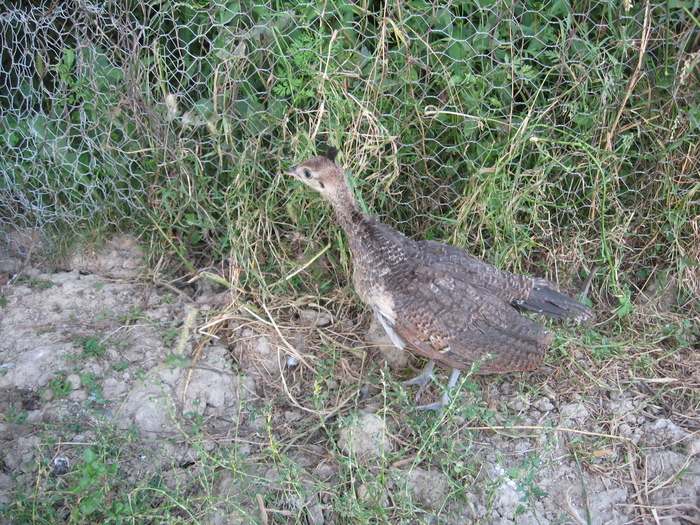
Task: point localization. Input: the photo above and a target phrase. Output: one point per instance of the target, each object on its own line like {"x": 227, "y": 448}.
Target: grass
{"x": 522, "y": 132}
{"x": 500, "y": 438}
{"x": 511, "y": 149}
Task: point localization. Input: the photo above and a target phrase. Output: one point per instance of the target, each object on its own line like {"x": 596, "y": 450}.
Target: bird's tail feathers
{"x": 544, "y": 299}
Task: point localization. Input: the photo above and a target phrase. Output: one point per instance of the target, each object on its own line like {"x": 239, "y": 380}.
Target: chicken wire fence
{"x": 546, "y": 130}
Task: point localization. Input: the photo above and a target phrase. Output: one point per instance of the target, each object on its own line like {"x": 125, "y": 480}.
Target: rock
{"x": 676, "y": 484}
{"x": 366, "y": 438}
{"x": 661, "y": 432}
{"x": 5, "y": 488}
{"x": 573, "y": 411}
{"x": 377, "y": 337}
{"x": 693, "y": 447}
{"x": 373, "y": 495}
{"x": 75, "y": 381}
{"x": 255, "y": 354}
{"x": 427, "y": 488}
{"x": 325, "y": 472}
{"x": 311, "y": 317}
{"x": 16, "y": 244}
{"x": 544, "y": 405}
{"x": 113, "y": 389}
{"x": 146, "y": 409}
{"x": 213, "y": 389}
{"x": 35, "y": 368}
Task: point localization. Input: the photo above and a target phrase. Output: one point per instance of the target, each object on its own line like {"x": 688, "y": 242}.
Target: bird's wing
{"x": 527, "y": 293}
{"x": 457, "y": 323}
{"x": 508, "y": 286}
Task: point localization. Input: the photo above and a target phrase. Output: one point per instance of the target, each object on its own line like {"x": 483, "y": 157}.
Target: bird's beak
{"x": 292, "y": 171}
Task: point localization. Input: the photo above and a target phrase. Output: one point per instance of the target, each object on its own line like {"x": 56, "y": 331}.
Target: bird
{"x": 438, "y": 300}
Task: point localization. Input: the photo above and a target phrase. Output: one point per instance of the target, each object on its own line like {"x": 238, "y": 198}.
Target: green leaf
{"x": 89, "y": 455}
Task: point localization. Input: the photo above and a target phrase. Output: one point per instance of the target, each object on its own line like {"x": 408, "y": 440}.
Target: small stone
{"x": 293, "y": 415}
{"x": 75, "y": 381}
{"x": 113, "y": 389}
{"x": 32, "y": 273}
{"x": 426, "y": 487}
{"x": 694, "y": 448}
{"x": 310, "y": 317}
{"x": 366, "y": 437}
{"x": 60, "y": 466}
{"x": 6, "y": 485}
{"x": 78, "y": 396}
{"x": 315, "y": 514}
{"x": 516, "y": 404}
{"x": 544, "y": 405}
{"x": 574, "y": 411}
{"x": 325, "y": 471}
{"x": 372, "y": 496}
{"x": 377, "y": 337}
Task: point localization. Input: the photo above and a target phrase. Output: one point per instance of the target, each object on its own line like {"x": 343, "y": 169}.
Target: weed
{"x": 61, "y": 388}
{"x": 169, "y": 299}
{"x": 48, "y": 330}
{"x": 500, "y": 149}
{"x": 120, "y": 366}
{"x": 92, "y": 383}
{"x": 92, "y": 347}
{"x": 14, "y": 415}
{"x": 526, "y": 476}
{"x": 175, "y": 360}
{"x": 35, "y": 283}
{"x": 131, "y": 317}
{"x": 93, "y": 475}
{"x": 107, "y": 314}
{"x": 40, "y": 283}
{"x": 94, "y": 486}
{"x": 170, "y": 335}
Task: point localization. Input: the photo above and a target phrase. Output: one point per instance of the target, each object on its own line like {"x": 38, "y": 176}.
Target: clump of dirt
{"x": 365, "y": 438}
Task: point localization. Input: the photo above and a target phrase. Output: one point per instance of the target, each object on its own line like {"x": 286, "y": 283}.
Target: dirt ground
{"x": 95, "y": 343}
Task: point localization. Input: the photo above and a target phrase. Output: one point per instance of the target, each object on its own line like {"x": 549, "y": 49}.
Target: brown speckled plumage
{"x": 438, "y": 300}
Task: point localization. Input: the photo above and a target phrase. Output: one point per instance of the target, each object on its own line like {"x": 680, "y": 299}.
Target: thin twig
{"x": 587, "y": 283}
{"x": 51, "y": 325}
{"x": 563, "y": 429}
{"x": 263, "y": 510}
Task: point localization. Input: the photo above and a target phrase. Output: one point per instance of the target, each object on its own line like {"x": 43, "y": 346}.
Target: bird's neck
{"x": 350, "y": 215}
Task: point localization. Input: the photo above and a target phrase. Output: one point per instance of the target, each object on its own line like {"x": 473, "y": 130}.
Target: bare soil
{"x": 94, "y": 349}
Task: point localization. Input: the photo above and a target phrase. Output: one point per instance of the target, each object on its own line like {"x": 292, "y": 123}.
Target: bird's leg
{"x": 422, "y": 379}
{"x": 437, "y": 405}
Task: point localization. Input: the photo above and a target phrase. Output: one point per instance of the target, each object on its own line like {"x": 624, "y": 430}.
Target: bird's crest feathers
{"x": 331, "y": 153}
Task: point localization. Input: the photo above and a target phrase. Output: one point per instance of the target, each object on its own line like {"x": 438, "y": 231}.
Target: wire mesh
{"x": 546, "y": 131}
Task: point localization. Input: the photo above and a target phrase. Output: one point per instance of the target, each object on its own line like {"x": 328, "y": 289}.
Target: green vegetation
{"x": 511, "y": 128}
{"x": 92, "y": 347}
{"x": 548, "y": 137}
{"x": 61, "y": 388}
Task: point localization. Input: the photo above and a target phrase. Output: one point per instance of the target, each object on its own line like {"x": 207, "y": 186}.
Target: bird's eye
{"x": 308, "y": 174}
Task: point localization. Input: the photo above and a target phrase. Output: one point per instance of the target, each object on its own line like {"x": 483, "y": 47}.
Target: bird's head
{"x": 321, "y": 174}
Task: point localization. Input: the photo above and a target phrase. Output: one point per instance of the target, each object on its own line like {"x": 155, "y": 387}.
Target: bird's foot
{"x": 438, "y": 405}
{"x": 422, "y": 380}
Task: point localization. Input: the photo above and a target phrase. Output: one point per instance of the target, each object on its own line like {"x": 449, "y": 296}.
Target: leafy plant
{"x": 93, "y": 346}
{"x": 61, "y": 388}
